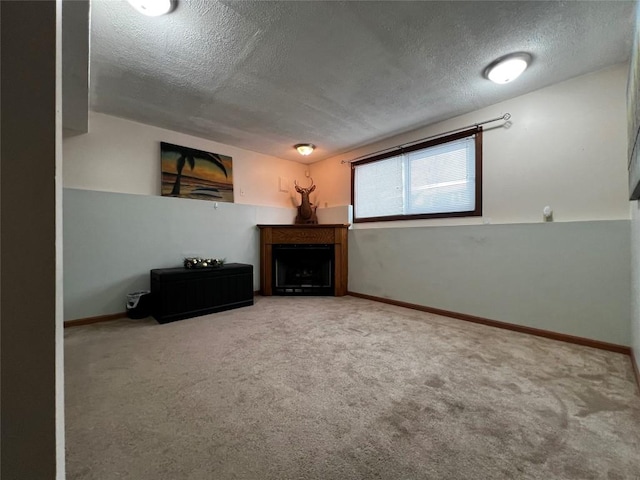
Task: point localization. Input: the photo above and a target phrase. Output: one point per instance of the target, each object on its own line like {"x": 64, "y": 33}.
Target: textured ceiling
{"x": 266, "y": 75}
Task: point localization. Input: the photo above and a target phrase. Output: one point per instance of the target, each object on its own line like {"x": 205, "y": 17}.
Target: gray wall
{"x": 571, "y": 278}
{"x": 112, "y": 240}
{"x": 635, "y": 245}
{"x": 635, "y": 281}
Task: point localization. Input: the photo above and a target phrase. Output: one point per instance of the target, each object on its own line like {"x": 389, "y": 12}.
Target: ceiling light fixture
{"x": 305, "y": 148}
{"x": 153, "y": 8}
{"x": 508, "y": 68}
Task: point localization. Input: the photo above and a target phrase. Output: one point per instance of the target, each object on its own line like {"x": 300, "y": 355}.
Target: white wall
{"x": 566, "y": 148}
{"x": 119, "y": 155}
{"x": 118, "y": 227}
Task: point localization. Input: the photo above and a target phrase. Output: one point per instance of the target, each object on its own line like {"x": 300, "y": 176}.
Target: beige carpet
{"x": 342, "y": 388}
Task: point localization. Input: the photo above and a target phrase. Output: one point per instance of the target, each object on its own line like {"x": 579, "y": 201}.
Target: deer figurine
{"x": 306, "y": 210}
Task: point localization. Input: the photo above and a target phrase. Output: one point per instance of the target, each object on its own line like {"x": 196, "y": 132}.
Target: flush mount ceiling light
{"x": 153, "y": 8}
{"x": 305, "y": 148}
{"x": 508, "y": 68}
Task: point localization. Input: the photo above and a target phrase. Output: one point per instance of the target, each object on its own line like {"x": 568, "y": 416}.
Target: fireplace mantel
{"x": 330, "y": 234}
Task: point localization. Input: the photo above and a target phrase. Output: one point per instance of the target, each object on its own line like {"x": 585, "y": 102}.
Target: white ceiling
{"x": 265, "y": 75}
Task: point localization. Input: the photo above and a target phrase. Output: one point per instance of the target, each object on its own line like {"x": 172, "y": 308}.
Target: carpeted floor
{"x": 321, "y": 388}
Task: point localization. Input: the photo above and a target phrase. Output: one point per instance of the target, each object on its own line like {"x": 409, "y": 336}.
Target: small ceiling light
{"x": 153, "y": 8}
{"x": 508, "y": 68}
{"x": 305, "y": 148}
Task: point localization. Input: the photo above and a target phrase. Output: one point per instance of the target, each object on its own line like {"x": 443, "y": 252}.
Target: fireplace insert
{"x": 303, "y": 269}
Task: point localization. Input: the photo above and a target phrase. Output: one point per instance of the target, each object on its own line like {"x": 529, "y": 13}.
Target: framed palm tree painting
{"x": 191, "y": 173}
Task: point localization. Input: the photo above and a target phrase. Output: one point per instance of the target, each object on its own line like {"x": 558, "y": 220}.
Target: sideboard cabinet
{"x": 178, "y": 293}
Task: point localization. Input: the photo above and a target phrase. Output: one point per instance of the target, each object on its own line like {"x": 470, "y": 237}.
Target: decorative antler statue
{"x": 306, "y": 210}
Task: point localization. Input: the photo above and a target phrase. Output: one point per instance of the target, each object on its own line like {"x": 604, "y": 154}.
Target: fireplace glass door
{"x": 303, "y": 269}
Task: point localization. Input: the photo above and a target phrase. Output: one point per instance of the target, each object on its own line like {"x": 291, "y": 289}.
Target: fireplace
{"x": 303, "y": 269}
{"x": 303, "y": 259}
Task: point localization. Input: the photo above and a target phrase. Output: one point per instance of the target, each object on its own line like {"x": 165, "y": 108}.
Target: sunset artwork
{"x": 191, "y": 173}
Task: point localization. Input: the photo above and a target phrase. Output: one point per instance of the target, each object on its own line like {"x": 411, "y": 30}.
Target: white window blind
{"x": 439, "y": 179}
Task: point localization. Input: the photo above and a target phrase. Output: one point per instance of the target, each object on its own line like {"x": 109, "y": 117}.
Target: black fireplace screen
{"x": 303, "y": 270}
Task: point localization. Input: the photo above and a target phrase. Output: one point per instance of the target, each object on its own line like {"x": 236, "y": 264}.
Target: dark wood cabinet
{"x": 178, "y": 293}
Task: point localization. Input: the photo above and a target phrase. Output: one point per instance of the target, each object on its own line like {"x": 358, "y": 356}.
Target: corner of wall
{"x": 635, "y": 284}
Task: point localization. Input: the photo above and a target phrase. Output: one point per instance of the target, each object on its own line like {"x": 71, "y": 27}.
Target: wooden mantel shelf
{"x": 335, "y": 234}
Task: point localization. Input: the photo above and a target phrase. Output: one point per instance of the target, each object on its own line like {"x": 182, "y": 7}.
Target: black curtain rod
{"x": 506, "y": 116}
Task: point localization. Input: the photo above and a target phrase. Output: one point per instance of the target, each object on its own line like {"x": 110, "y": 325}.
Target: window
{"x": 433, "y": 179}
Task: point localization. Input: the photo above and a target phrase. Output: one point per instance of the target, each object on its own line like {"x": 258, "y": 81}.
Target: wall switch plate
{"x": 283, "y": 185}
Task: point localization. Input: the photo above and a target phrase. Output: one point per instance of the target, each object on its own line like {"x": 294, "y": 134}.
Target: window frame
{"x": 477, "y": 212}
